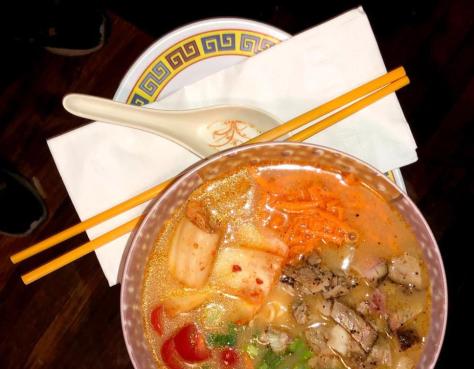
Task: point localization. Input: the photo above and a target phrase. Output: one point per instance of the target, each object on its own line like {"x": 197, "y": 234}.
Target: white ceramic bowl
{"x": 142, "y": 242}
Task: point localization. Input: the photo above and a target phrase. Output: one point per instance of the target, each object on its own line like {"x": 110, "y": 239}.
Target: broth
{"x": 283, "y": 266}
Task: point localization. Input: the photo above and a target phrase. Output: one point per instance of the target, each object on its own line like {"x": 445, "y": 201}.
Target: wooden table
{"x": 71, "y": 318}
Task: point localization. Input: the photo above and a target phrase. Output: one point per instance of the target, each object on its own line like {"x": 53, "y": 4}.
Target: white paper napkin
{"x": 102, "y": 164}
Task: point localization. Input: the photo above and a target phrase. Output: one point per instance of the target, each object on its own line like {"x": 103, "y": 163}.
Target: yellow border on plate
{"x": 191, "y": 50}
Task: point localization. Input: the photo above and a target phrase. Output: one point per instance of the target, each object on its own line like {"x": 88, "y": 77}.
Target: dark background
{"x": 71, "y": 318}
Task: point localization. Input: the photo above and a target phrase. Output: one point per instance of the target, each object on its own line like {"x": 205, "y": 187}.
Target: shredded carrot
{"x": 295, "y": 206}
{"x": 302, "y": 211}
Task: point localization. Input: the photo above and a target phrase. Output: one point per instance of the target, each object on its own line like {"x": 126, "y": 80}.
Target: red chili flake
{"x": 259, "y": 281}
{"x": 229, "y": 357}
{"x": 236, "y": 268}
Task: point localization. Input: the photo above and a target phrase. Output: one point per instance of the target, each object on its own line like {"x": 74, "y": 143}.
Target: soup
{"x": 286, "y": 267}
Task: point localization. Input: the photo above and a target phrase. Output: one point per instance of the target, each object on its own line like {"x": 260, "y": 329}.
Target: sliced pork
{"x": 406, "y": 270}
{"x": 356, "y": 325}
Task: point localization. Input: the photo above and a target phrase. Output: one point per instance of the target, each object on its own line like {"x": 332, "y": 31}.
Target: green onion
{"x": 222, "y": 340}
{"x": 300, "y": 349}
{"x": 252, "y": 350}
{"x": 296, "y": 356}
{"x": 272, "y": 359}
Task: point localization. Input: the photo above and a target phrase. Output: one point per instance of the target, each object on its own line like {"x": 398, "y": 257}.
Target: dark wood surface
{"x": 71, "y": 318}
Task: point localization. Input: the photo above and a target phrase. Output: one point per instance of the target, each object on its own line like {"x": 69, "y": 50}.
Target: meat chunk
{"x": 364, "y": 308}
{"x": 359, "y": 329}
{"x": 310, "y": 310}
{"x": 316, "y": 278}
{"x": 290, "y": 281}
{"x": 339, "y": 286}
{"x": 378, "y": 302}
{"x": 404, "y": 314}
{"x": 373, "y": 269}
{"x": 322, "y": 306}
{"x": 407, "y": 338}
{"x": 402, "y": 303}
{"x": 342, "y": 342}
{"x": 300, "y": 312}
{"x": 304, "y": 279}
{"x": 375, "y": 305}
{"x": 377, "y": 272}
{"x": 380, "y": 354}
{"x": 404, "y": 362}
{"x": 317, "y": 338}
{"x": 406, "y": 270}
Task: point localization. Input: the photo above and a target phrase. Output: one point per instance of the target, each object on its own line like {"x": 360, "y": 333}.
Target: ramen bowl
{"x": 144, "y": 238}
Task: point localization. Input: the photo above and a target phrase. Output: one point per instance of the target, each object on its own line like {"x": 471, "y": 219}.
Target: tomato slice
{"x": 170, "y": 356}
{"x": 191, "y": 345}
{"x": 229, "y": 357}
{"x": 157, "y": 319}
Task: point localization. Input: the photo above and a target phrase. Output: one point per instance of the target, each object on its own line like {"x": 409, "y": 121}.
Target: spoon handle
{"x": 105, "y": 110}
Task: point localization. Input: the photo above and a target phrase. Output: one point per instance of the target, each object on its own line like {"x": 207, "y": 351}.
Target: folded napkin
{"x": 103, "y": 164}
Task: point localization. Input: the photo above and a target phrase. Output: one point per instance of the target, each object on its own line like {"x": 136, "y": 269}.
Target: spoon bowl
{"x": 203, "y": 131}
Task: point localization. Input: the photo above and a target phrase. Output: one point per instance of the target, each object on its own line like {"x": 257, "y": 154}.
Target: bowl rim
{"x": 231, "y": 151}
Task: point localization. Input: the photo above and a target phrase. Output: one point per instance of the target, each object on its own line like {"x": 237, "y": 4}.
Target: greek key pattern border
{"x": 191, "y": 50}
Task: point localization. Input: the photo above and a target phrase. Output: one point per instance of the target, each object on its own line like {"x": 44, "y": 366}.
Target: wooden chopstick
{"x": 79, "y": 252}
{"x": 88, "y": 223}
{"x": 351, "y": 109}
{"x": 127, "y": 227}
{"x": 272, "y": 134}
{"x": 330, "y": 106}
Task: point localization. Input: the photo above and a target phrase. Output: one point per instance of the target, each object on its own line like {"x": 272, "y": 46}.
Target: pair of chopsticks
{"x": 360, "y": 98}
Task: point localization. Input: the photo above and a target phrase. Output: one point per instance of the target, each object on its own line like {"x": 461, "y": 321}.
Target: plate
{"x": 195, "y": 51}
{"x": 192, "y": 52}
